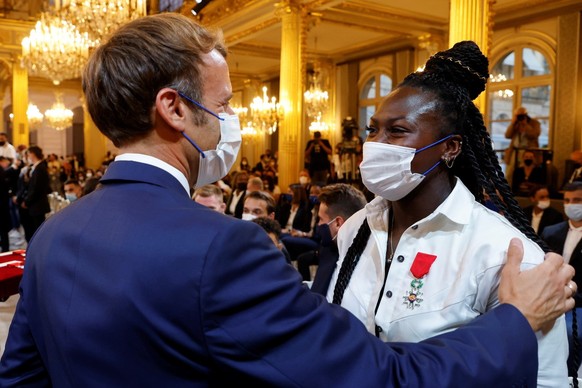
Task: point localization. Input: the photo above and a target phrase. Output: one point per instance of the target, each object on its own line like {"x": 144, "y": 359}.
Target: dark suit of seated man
{"x": 337, "y": 203}
{"x": 136, "y": 285}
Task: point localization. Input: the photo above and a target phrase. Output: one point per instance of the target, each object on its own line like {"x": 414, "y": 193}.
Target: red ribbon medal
{"x": 420, "y": 267}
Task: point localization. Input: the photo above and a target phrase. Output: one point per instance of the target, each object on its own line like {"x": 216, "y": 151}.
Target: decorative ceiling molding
{"x": 256, "y": 50}
{"x": 516, "y": 13}
{"x": 242, "y": 35}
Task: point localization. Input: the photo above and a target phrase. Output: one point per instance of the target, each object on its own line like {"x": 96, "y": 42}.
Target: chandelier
{"x": 240, "y": 111}
{"x": 249, "y": 133}
{"x": 55, "y": 49}
{"x": 318, "y": 125}
{"x": 34, "y": 116}
{"x": 502, "y": 93}
{"x": 315, "y": 98}
{"x": 99, "y": 18}
{"x": 266, "y": 112}
{"x": 58, "y": 116}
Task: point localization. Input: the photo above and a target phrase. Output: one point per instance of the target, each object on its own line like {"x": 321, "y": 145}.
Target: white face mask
{"x": 248, "y": 216}
{"x": 544, "y": 204}
{"x": 303, "y": 180}
{"x": 215, "y": 164}
{"x": 574, "y": 211}
{"x": 386, "y": 169}
{"x": 71, "y": 197}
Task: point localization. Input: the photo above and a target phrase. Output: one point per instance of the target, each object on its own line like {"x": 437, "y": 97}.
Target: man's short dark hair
{"x": 574, "y": 186}
{"x": 535, "y": 188}
{"x": 36, "y": 151}
{"x": 342, "y": 200}
{"x": 269, "y": 225}
{"x": 72, "y": 182}
{"x": 263, "y": 196}
{"x": 125, "y": 73}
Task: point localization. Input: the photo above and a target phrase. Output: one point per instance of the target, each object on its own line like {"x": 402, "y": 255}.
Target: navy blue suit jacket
{"x": 136, "y": 285}
{"x": 555, "y": 237}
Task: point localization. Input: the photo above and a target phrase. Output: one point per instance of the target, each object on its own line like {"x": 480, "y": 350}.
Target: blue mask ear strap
{"x": 433, "y": 144}
{"x": 199, "y": 105}
{"x": 194, "y": 144}
{"x": 432, "y": 168}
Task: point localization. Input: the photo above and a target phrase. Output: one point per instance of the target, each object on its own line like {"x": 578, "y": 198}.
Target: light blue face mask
{"x": 215, "y": 164}
{"x": 71, "y": 197}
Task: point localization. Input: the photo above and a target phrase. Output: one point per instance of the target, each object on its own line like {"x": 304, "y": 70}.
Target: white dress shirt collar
{"x": 152, "y": 161}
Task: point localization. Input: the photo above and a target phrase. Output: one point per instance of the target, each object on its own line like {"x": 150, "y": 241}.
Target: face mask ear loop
{"x": 433, "y": 144}
{"x": 200, "y": 106}
{"x": 432, "y": 168}
{"x": 194, "y": 144}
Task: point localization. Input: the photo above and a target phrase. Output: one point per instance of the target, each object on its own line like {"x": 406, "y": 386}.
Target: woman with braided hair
{"x": 424, "y": 257}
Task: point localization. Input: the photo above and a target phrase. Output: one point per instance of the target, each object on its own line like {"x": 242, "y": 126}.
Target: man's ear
{"x": 340, "y": 221}
{"x": 171, "y": 109}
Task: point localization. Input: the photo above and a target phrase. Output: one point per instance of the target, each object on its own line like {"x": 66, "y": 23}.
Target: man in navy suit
{"x": 565, "y": 238}
{"x": 337, "y": 203}
{"x": 136, "y": 285}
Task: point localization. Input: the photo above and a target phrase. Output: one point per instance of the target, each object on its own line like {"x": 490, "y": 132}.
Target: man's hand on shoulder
{"x": 542, "y": 293}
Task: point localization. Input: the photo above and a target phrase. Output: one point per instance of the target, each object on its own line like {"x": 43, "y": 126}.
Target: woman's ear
{"x": 453, "y": 148}
{"x": 171, "y": 109}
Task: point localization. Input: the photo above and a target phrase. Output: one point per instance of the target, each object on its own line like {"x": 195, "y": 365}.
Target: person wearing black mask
{"x": 527, "y": 176}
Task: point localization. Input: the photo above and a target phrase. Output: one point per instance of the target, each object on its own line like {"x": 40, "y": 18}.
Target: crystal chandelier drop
{"x": 316, "y": 99}
{"x": 55, "y": 49}
{"x": 249, "y": 133}
{"x": 58, "y": 116}
{"x": 318, "y": 125}
{"x": 34, "y": 116}
{"x": 99, "y": 18}
{"x": 266, "y": 112}
{"x": 502, "y": 93}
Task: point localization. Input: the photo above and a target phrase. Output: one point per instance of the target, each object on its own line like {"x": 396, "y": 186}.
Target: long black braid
{"x": 350, "y": 261}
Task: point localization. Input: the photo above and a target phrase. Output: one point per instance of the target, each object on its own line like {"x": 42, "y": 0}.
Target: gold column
{"x": 291, "y": 138}
{"x": 20, "y": 130}
{"x": 95, "y": 142}
{"x": 471, "y": 20}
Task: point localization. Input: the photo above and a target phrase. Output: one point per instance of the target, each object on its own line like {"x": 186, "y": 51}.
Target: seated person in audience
{"x": 295, "y": 216}
{"x": 236, "y": 201}
{"x": 73, "y": 190}
{"x": 541, "y": 214}
{"x": 258, "y": 204}
{"x": 269, "y": 186}
{"x": 294, "y": 213}
{"x": 337, "y": 203}
{"x": 305, "y": 180}
{"x": 565, "y": 238}
{"x": 314, "y": 192}
{"x": 211, "y": 197}
{"x": 527, "y": 175}
{"x": 273, "y": 229}
{"x": 254, "y": 184}
{"x": 263, "y": 163}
